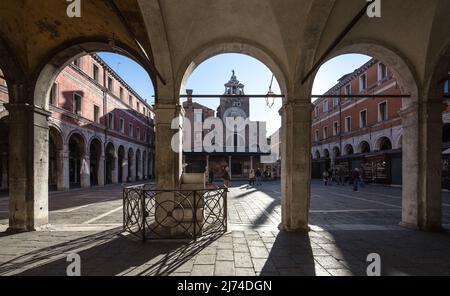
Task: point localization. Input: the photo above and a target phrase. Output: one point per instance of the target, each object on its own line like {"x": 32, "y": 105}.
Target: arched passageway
{"x": 4, "y": 149}
{"x": 56, "y": 160}
{"x": 138, "y": 166}
{"x": 96, "y": 163}
{"x": 77, "y": 161}
{"x": 122, "y": 164}
{"x": 364, "y": 147}
{"x": 111, "y": 165}
{"x": 131, "y": 177}
{"x": 384, "y": 144}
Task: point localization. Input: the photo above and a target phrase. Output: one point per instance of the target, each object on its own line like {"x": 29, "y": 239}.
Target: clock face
{"x": 236, "y": 113}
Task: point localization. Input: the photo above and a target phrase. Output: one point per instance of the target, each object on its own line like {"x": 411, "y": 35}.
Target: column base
{"x": 411, "y": 226}
{"x": 303, "y": 229}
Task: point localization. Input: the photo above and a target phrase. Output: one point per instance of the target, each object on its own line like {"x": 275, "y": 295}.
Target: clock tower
{"x": 233, "y": 104}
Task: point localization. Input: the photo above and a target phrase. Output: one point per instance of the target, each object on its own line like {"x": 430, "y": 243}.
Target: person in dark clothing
{"x": 211, "y": 176}
{"x": 258, "y": 175}
{"x": 356, "y": 176}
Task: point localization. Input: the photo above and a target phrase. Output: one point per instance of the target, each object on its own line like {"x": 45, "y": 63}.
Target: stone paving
{"x": 345, "y": 228}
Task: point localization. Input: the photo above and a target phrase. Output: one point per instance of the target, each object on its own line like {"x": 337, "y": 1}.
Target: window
{"x": 382, "y": 72}
{"x": 138, "y": 106}
{"x": 96, "y": 113}
{"x": 76, "y": 104}
{"x": 77, "y": 62}
{"x": 144, "y": 111}
{"x": 138, "y": 133}
{"x": 198, "y": 116}
{"x": 110, "y": 84}
{"x": 122, "y": 126}
{"x": 111, "y": 121}
{"x": 316, "y": 136}
{"x": 348, "y": 124}
{"x": 130, "y": 130}
{"x": 336, "y": 101}
{"x": 316, "y": 111}
{"x": 382, "y": 112}
{"x": 130, "y": 101}
{"x": 95, "y": 73}
{"x": 325, "y": 106}
{"x": 335, "y": 128}
{"x": 363, "y": 82}
{"x": 348, "y": 90}
{"x": 54, "y": 94}
{"x": 145, "y": 136}
{"x": 121, "y": 93}
{"x": 325, "y": 132}
{"x": 363, "y": 119}
{"x": 446, "y": 87}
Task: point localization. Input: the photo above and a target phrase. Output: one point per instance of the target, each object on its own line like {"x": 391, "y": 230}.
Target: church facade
{"x": 238, "y": 151}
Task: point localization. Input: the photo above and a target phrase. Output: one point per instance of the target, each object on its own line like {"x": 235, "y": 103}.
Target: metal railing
{"x": 152, "y": 214}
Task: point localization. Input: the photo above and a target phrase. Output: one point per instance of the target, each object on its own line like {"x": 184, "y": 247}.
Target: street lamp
{"x": 270, "y": 99}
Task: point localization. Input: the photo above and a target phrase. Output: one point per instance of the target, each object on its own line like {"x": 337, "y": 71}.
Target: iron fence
{"x": 174, "y": 214}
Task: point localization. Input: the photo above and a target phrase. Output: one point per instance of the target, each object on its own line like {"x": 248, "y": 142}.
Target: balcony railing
{"x": 152, "y": 214}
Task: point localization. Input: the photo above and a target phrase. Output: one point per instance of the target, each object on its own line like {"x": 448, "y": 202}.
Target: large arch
{"x": 61, "y": 57}
{"x": 217, "y": 47}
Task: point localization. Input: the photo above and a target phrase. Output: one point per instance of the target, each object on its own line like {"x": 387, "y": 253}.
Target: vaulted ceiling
{"x": 174, "y": 36}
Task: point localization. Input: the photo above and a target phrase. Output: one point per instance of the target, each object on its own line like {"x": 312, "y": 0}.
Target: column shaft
{"x": 28, "y": 167}
{"x": 296, "y": 165}
{"x": 422, "y": 165}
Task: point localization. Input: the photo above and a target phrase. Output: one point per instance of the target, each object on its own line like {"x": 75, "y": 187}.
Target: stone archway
{"x": 218, "y": 47}
{"x": 131, "y": 164}
{"x": 111, "y": 165}
{"x": 122, "y": 165}
{"x": 96, "y": 163}
{"x": 349, "y": 149}
{"x": 56, "y": 174}
{"x": 77, "y": 160}
{"x": 4, "y": 153}
{"x": 383, "y": 144}
{"x": 138, "y": 166}
{"x": 364, "y": 147}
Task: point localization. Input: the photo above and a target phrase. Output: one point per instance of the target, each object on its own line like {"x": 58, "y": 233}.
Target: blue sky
{"x": 210, "y": 77}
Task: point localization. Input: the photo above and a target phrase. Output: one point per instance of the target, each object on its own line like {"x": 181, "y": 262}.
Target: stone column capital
{"x": 297, "y": 106}
{"x": 436, "y": 106}
{"x": 21, "y": 107}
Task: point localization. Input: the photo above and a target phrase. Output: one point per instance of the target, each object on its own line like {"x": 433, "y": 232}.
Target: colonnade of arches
{"x": 76, "y": 162}
{"x": 420, "y": 67}
{"x": 383, "y": 143}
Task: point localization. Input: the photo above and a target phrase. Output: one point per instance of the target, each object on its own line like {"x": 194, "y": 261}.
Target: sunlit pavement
{"x": 346, "y": 227}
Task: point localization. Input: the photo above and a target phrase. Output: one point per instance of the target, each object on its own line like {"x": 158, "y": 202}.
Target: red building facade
{"x": 101, "y": 130}
{"x": 363, "y": 133}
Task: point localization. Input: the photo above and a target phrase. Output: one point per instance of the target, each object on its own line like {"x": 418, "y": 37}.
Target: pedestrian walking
{"x": 258, "y": 175}
{"x": 356, "y": 177}
{"x": 226, "y": 176}
{"x": 211, "y": 176}
{"x": 325, "y": 176}
{"x": 251, "y": 177}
